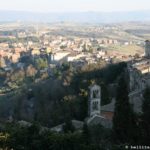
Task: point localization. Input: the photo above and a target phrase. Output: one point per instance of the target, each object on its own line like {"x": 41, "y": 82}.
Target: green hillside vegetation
{"x": 51, "y": 101}
{"x": 51, "y": 108}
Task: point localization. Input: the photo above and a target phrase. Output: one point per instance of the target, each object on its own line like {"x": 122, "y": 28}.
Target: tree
{"x": 86, "y": 134}
{"x": 31, "y": 71}
{"x": 41, "y": 63}
{"x": 2, "y": 62}
{"x": 63, "y": 47}
{"x": 124, "y": 121}
{"x": 26, "y": 60}
{"x": 17, "y": 76}
{"x": 105, "y": 94}
{"x": 146, "y": 117}
{"x": 84, "y": 49}
{"x": 3, "y": 140}
{"x": 99, "y": 136}
{"x": 24, "y": 137}
{"x": 90, "y": 49}
{"x": 68, "y": 126}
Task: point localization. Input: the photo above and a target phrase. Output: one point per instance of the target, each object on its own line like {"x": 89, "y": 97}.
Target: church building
{"x": 95, "y": 113}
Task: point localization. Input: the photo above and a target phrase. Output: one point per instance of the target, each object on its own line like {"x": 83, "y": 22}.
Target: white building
{"x": 95, "y": 116}
{"x": 59, "y": 56}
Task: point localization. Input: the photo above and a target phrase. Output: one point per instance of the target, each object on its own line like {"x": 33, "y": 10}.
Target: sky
{"x": 74, "y": 5}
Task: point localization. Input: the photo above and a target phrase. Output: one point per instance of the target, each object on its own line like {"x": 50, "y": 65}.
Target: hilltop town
{"x": 88, "y": 83}
{"x": 37, "y": 49}
{"x": 75, "y": 75}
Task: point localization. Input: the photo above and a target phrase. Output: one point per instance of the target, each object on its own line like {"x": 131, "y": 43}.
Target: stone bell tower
{"x": 147, "y": 48}
{"x": 94, "y": 100}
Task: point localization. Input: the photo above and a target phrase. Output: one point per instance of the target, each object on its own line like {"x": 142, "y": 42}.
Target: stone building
{"x": 139, "y": 74}
{"x": 94, "y": 100}
{"x": 107, "y": 111}
{"x": 78, "y": 125}
{"x": 147, "y": 48}
{"x": 94, "y": 112}
{"x": 97, "y": 114}
{"x": 139, "y": 78}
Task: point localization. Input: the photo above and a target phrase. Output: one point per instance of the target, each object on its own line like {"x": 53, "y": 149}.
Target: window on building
{"x": 95, "y": 94}
{"x": 95, "y": 105}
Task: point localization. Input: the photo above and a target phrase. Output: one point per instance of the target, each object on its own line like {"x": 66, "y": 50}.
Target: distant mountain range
{"x": 81, "y": 17}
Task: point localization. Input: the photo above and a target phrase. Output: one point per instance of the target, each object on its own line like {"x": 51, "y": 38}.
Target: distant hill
{"x": 81, "y": 17}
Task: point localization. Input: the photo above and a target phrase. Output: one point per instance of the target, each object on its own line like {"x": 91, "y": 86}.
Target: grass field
{"x": 126, "y": 49}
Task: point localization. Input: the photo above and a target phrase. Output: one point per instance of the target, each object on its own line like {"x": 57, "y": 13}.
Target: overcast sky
{"x": 74, "y": 5}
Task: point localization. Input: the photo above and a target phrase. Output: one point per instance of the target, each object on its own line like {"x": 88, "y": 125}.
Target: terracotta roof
{"x": 109, "y": 107}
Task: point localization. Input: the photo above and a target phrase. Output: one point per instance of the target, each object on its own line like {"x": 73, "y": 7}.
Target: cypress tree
{"x": 68, "y": 126}
{"x": 86, "y": 134}
{"x": 146, "y": 117}
{"x": 124, "y": 122}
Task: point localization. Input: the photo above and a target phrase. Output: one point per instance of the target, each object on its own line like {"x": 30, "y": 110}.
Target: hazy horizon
{"x": 78, "y": 17}
{"x": 91, "y": 11}
{"x": 47, "y": 6}
{"x": 49, "y": 12}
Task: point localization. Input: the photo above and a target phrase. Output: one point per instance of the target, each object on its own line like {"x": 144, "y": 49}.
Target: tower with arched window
{"x": 147, "y": 48}
{"x": 94, "y": 100}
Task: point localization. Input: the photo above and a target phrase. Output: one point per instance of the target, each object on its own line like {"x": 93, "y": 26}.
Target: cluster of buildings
{"x": 80, "y": 51}
{"x": 55, "y": 49}
{"x": 139, "y": 79}
{"x": 139, "y": 75}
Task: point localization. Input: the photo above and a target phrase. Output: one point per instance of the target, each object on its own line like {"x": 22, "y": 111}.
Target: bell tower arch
{"x": 94, "y": 100}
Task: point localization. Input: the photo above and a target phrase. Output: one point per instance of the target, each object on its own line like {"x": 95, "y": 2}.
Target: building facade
{"x": 147, "y": 48}
{"x": 139, "y": 78}
{"x": 94, "y": 100}
{"x": 96, "y": 114}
